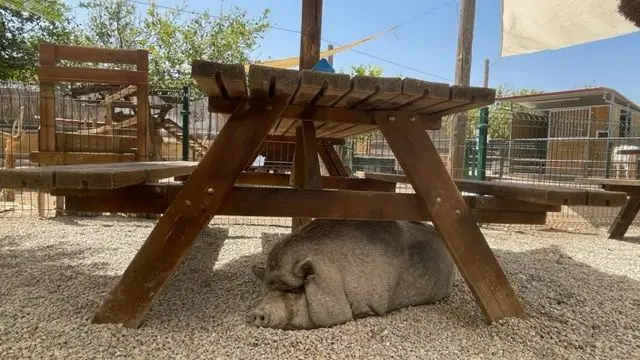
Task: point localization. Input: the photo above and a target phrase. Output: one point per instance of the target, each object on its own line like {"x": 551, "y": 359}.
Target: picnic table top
{"x": 93, "y": 176}
{"x": 228, "y": 84}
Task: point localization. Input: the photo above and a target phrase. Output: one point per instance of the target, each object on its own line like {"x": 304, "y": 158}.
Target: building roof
{"x": 572, "y": 98}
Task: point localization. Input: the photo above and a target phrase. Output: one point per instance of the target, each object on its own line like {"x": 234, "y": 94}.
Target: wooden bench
{"x": 630, "y": 208}
{"x": 527, "y": 195}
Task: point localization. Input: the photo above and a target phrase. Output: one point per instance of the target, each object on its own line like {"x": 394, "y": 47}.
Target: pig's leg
{"x": 326, "y": 300}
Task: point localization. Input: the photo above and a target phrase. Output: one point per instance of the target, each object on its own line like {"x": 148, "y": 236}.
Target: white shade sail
{"x": 534, "y": 25}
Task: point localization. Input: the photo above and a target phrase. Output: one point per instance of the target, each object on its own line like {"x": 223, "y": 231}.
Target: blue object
{"x": 323, "y": 66}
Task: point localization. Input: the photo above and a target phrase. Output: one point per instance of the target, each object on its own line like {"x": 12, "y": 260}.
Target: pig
{"x": 333, "y": 271}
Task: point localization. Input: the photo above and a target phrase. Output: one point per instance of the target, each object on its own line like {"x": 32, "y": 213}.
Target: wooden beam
{"x": 305, "y": 173}
{"x": 332, "y": 161}
{"x": 278, "y": 202}
{"x": 96, "y": 54}
{"x": 145, "y": 150}
{"x": 52, "y": 73}
{"x": 75, "y": 158}
{"x": 624, "y": 218}
{"x": 47, "y": 132}
{"x": 328, "y": 182}
{"x": 330, "y": 114}
{"x": 195, "y": 205}
{"x": 292, "y": 140}
{"x": 527, "y": 192}
{"x": 440, "y": 198}
{"x": 463, "y": 77}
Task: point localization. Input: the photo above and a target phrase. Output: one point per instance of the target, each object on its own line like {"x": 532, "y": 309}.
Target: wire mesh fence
{"x": 557, "y": 147}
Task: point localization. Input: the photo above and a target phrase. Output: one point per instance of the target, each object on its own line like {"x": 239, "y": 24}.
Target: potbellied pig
{"x": 333, "y": 271}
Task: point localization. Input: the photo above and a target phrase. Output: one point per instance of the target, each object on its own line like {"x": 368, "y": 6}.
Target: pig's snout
{"x": 258, "y": 317}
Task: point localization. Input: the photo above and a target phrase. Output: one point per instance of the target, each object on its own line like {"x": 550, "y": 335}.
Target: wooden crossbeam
{"x": 527, "y": 192}
{"x": 77, "y": 158}
{"x": 328, "y": 114}
{"x": 97, "y": 54}
{"x": 52, "y": 73}
{"x": 281, "y": 202}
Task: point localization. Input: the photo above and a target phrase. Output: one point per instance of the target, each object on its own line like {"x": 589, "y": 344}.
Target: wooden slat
{"x": 204, "y": 193}
{"x": 94, "y": 176}
{"x": 366, "y": 93}
{"x": 609, "y": 181}
{"x": 52, "y": 73}
{"x": 440, "y": 198}
{"x": 220, "y": 80}
{"x": 328, "y": 182}
{"x": 274, "y": 202}
{"x": 271, "y": 83}
{"x": 292, "y": 139}
{"x": 524, "y": 192}
{"x": 606, "y": 198}
{"x": 321, "y": 88}
{"x": 72, "y": 142}
{"x": 463, "y": 99}
{"x": 76, "y": 158}
{"x": 418, "y": 94}
{"x": 97, "y": 54}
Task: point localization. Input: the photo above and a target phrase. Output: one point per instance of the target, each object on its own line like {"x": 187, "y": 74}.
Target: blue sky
{"x": 428, "y": 44}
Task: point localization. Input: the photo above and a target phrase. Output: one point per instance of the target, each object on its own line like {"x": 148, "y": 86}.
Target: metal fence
{"x": 553, "y": 148}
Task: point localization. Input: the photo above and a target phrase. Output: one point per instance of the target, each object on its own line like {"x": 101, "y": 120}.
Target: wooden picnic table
{"x": 271, "y": 102}
{"x": 631, "y": 206}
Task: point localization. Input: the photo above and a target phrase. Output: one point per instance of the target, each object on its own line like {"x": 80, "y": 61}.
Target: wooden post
{"x": 145, "y": 149}
{"x": 47, "y": 130}
{"x": 463, "y": 74}
{"x": 305, "y": 173}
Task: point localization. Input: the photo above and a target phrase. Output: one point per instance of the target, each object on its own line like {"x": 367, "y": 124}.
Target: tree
{"x": 174, "y": 37}
{"x": 366, "y": 70}
{"x": 22, "y": 32}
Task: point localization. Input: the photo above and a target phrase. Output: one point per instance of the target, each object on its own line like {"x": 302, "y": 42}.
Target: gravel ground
{"x": 581, "y": 290}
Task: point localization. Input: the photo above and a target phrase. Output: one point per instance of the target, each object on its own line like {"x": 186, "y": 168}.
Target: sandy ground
{"x": 581, "y": 291}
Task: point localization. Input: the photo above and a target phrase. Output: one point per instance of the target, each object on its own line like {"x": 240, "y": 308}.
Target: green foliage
{"x": 22, "y": 31}
{"x": 174, "y": 37}
{"x": 366, "y": 70}
{"x": 35, "y": 8}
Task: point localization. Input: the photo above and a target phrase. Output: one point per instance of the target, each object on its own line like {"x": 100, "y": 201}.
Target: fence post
{"x": 481, "y": 142}
{"x": 185, "y": 122}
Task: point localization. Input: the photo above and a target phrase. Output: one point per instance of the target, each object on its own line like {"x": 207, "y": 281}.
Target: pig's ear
{"x": 258, "y": 271}
{"x": 304, "y": 269}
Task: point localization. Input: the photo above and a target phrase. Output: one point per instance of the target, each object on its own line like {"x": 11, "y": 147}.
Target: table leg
{"x": 467, "y": 246}
{"x": 195, "y": 205}
{"x": 625, "y": 217}
{"x": 305, "y": 173}
{"x": 332, "y": 161}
